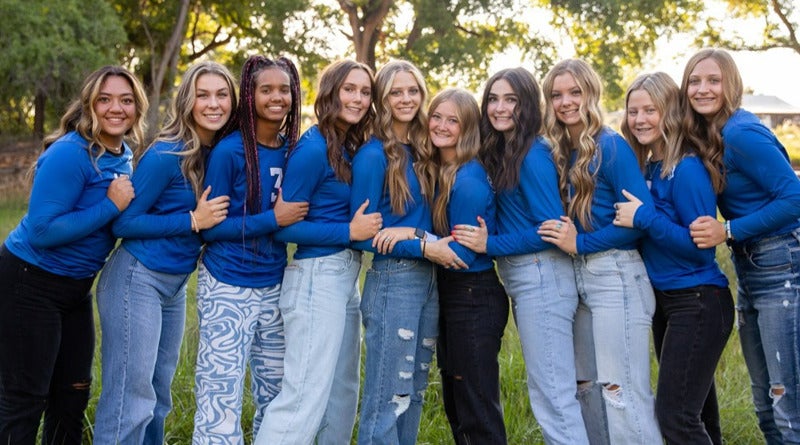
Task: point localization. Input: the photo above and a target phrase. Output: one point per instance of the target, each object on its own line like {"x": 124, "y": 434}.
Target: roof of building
{"x": 764, "y": 104}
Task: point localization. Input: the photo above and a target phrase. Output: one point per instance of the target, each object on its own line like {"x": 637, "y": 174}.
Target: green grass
{"x": 738, "y": 420}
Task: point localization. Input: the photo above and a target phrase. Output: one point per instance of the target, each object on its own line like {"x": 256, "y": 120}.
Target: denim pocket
{"x": 333, "y": 265}
{"x": 778, "y": 259}
{"x": 291, "y": 287}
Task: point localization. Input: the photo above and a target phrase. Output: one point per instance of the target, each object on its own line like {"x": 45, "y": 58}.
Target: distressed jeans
{"x": 612, "y": 343}
{"x": 400, "y": 312}
{"x": 46, "y": 350}
{"x": 769, "y": 329}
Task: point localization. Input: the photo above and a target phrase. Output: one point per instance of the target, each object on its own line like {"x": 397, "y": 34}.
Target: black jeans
{"x": 46, "y": 348}
{"x": 690, "y": 329}
{"x": 473, "y": 312}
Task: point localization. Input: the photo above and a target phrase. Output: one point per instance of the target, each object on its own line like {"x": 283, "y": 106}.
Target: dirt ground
{"x": 16, "y": 159}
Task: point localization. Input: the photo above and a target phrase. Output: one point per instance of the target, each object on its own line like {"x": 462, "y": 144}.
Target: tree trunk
{"x": 39, "y": 102}
{"x": 165, "y": 67}
{"x": 366, "y": 28}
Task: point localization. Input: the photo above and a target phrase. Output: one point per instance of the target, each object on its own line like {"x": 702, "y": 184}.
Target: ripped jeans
{"x": 612, "y": 345}
{"x": 46, "y": 349}
{"x": 400, "y": 312}
{"x": 769, "y": 312}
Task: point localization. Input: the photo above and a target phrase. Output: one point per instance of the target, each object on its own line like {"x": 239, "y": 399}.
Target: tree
{"x": 48, "y": 48}
{"x": 781, "y": 24}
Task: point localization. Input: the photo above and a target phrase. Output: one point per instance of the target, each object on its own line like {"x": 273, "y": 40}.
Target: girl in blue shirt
{"x": 141, "y": 294}
{"x": 49, "y": 261}
{"x": 694, "y": 307}
{"x": 760, "y": 201}
{"x": 473, "y": 305}
{"x": 320, "y": 297}
{"x": 400, "y": 309}
{"x": 239, "y": 279}
{"x": 616, "y": 307}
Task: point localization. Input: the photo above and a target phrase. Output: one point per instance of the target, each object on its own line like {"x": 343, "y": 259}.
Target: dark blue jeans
{"x": 473, "y": 312}
{"x": 46, "y": 348}
{"x": 690, "y": 329}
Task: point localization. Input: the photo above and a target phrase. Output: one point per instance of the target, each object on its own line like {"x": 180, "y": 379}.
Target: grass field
{"x": 738, "y": 420}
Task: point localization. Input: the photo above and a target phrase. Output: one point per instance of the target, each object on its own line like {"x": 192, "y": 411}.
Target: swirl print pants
{"x": 237, "y": 325}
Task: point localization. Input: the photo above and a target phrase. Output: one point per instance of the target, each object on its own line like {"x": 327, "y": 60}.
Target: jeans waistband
{"x": 767, "y": 243}
{"x": 16, "y": 261}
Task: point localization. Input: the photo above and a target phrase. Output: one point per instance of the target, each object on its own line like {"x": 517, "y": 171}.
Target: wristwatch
{"x": 419, "y": 233}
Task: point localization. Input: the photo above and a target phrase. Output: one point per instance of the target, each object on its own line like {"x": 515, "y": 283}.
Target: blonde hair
{"x": 181, "y": 126}
{"x": 705, "y": 134}
{"x": 467, "y": 146}
{"x": 580, "y": 176}
{"x": 425, "y": 168}
{"x": 81, "y": 117}
{"x": 665, "y": 95}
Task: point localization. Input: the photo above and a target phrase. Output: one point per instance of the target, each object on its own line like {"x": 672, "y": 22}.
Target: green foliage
{"x": 779, "y": 22}
{"x": 48, "y": 48}
{"x": 789, "y": 135}
{"x": 614, "y": 35}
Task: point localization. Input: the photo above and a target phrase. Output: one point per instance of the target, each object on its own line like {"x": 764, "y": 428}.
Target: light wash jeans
{"x": 400, "y": 309}
{"x": 142, "y": 314}
{"x": 544, "y": 300}
{"x": 319, "y": 304}
{"x": 769, "y": 329}
{"x": 237, "y": 325}
{"x": 612, "y": 343}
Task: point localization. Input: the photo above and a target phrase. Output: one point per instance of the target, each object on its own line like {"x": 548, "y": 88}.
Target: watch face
{"x": 419, "y": 233}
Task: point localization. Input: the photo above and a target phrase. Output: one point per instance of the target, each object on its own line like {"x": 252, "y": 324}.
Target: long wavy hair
{"x": 705, "y": 134}
{"x": 665, "y": 94}
{"x": 503, "y": 157}
{"x": 181, "y": 126}
{"x": 467, "y": 147}
{"x": 246, "y": 118}
{"x": 582, "y": 179}
{"x": 327, "y": 107}
{"x": 424, "y": 165}
{"x": 81, "y": 117}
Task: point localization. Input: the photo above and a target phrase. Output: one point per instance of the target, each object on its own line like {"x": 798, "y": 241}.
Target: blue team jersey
{"x": 240, "y": 251}
{"x": 470, "y": 197}
{"x": 672, "y": 259}
{"x": 522, "y": 209}
{"x": 618, "y": 170}
{"x": 67, "y": 229}
{"x": 369, "y": 182}
{"x": 156, "y": 228}
{"x": 762, "y": 192}
{"x": 310, "y": 178}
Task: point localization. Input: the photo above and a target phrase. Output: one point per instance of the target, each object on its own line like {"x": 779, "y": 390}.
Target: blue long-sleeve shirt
{"x": 618, "y": 170}
{"x": 310, "y": 178}
{"x": 156, "y": 227}
{"x": 67, "y": 228}
{"x": 470, "y": 197}
{"x": 672, "y": 259}
{"x": 369, "y": 173}
{"x": 762, "y": 192}
{"x": 240, "y": 251}
{"x": 523, "y": 208}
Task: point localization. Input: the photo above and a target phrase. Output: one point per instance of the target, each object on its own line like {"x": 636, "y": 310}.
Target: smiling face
{"x": 212, "y": 105}
{"x": 355, "y": 94}
{"x": 404, "y": 97}
{"x": 502, "y": 104}
{"x": 444, "y": 127}
{"x": 567, "y": 98}
{"x": 643, "y": 118}
{"x": 704, "y": 88}
{"x": 273, "y": 95}
{"x": 115, "y": 108}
